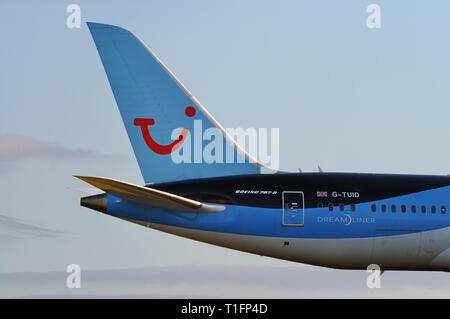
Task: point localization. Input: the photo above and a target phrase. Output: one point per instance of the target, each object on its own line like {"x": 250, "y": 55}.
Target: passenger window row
{"x": 413, "y": 209}
{"x": 341, "y": 207}
{"x": 393, "y": 208}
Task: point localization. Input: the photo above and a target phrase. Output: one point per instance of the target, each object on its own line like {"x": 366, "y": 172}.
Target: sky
{"x": 345, "y": 97}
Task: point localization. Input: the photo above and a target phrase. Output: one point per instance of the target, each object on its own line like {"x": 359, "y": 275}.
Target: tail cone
{"x": 97, "y": 202}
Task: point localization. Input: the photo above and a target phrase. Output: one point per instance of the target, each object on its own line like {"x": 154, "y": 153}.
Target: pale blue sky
{"x": 343, "y": 96}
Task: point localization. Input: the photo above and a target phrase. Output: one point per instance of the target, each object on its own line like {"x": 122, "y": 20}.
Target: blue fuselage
{"x": 313, "y": 206}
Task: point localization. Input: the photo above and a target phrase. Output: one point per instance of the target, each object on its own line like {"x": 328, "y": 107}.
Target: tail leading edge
{"x": 152, "y": 103}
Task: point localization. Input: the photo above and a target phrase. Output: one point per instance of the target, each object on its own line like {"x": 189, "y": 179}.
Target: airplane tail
{"x": 165, "y": 123}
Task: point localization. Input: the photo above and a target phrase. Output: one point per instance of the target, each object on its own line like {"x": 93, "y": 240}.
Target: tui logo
{"x": 144, "y": 123}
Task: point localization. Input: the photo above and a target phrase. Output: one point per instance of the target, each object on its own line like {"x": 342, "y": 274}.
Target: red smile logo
{"x": 156, "y": 147}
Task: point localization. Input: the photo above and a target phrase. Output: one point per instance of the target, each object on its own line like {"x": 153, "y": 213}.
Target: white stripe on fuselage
{"x": 428, "y": 250}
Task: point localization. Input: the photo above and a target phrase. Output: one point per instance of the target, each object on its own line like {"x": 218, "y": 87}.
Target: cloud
{"x": 220, "y": 281}
{"x": 18, "y": 229}
{"x": 16, "y": 147}
{"x": 175, "y": 275}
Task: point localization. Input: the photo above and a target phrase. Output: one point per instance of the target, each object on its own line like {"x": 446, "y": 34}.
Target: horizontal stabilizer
{"x": 88, "y": 191}
{"x": 149, "y": 196}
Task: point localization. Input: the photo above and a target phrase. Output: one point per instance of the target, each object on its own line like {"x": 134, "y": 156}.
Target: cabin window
{"x": 413, "y": 209}
{"x": 330, "y": 207}
{"x": 424, "y": 209}
{"x": 443, "y": 210}
{"x": 352, "y": 207}
{"x": 383, "y": 208}
{"x": 433, "y": 209}
{"x": 374, "y": 208}
{"x": 403, "y": 208}
{"x": 393, "y": 208}
{"x": 320, "y": 205}
{"x": 341, "y": 207}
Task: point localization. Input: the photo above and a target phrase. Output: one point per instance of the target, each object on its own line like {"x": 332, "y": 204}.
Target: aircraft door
{"x": 293, "y": 208}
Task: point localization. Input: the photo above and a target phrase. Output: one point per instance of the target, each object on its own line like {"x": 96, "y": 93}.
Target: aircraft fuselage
{"x": 338, "y": 220}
